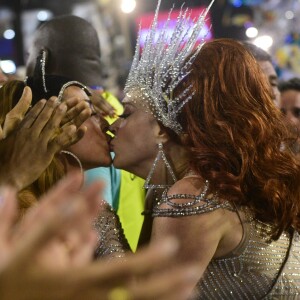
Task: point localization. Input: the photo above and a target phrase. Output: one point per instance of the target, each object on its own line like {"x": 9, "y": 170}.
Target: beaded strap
{"x": 198, "y": 205}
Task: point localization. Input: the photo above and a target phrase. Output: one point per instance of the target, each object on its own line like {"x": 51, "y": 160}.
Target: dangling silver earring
{"x": 75, "y": 157}
{"x": 43, "y": 69}
{"x": 160, "y": 155}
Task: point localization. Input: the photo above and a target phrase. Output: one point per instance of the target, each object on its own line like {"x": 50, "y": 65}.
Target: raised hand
{"x": 31, "y": 141}
{"x": 101, "y": 105}
{"x": 33, "y": 261}
{"x": 15, "y": 116}
{"x": 31, "y": 254}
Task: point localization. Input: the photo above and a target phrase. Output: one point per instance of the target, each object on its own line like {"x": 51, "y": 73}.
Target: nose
{"x": 276, "y": 95}
{"x": 113, "y": 128}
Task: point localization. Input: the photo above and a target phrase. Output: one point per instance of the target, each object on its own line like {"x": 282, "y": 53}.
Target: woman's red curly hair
{"x": 237, "y": 136}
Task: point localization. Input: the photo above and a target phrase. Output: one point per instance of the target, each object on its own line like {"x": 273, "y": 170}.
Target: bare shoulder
{"x": 199, "y": 219}
{"x": 187, "y": 199}
{"x": 188, "y": 185}
{"x": 180, "y": 215}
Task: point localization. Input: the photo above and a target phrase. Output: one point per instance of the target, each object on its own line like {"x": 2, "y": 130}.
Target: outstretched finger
{"x": 53, "y": 222}
{"x": 77, "y": 114}
{"x": 45, "y": 115}
{"x": 77, "y": 119}
{"x": 23, "y": 104}
{"x": 16, "y": 115}
{"x": 51, "y": 128}
{"x": 72, "y": 101}
{"x": 69, "y": 136}
{"x": 57, "y": 208}
{"x": 32, "y": 115}
{"x": 137, "y": 264}
{"x": 101, "y": 105}
{"x": 59, "y": 192}
{"x": 56, "y": 195}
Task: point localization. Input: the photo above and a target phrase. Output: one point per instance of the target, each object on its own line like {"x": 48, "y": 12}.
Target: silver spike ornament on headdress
{"x": 163, "y": 65}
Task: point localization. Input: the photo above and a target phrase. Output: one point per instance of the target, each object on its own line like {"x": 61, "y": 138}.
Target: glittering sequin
{"x": 198, "y": 204}
{"x": 111, "y": 238}
{"x": 257, "y": 269}
{"x": 264, "y": 269}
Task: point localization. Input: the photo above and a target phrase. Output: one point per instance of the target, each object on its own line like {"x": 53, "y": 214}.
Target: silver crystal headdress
{"x": 163, "y": 65}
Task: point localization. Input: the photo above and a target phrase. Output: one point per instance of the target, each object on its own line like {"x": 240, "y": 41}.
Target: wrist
{"x": 6, "y": 178}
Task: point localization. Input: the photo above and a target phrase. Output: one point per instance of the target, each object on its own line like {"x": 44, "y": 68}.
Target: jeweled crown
{"x": 163, "y": 65}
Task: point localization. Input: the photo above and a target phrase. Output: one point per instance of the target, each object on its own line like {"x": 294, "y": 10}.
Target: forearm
{"x": 8, "y": 178}
{"x": 9, "y": 173}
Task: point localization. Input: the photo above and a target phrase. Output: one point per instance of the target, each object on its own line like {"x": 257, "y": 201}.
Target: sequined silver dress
{"x": 112, "y": 242}
{"x": 256, "y": 269}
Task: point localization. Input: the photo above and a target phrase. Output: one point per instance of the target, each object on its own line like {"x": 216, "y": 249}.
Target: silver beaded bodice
{"x": 288, "y": 284}
{"x": 256, "y": 269}
{"x": 112, "y": 242}
{"x": 260, "y": 271}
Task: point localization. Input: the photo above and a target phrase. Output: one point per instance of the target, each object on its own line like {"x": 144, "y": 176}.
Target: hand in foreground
{"x": 63, "y": 213}
{"x": 146, "y": 275}
{"x": 33, "y": 259}
{"x": 34, "y": 139}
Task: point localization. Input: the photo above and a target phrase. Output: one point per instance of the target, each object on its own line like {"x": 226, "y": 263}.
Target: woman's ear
{"x": 160, "y": 133}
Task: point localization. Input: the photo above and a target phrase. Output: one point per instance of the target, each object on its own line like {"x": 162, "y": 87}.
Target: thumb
{"x": 16, "y": 115}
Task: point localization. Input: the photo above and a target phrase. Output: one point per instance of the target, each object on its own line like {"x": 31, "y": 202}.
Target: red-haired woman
{"x": 235, "y": 207}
